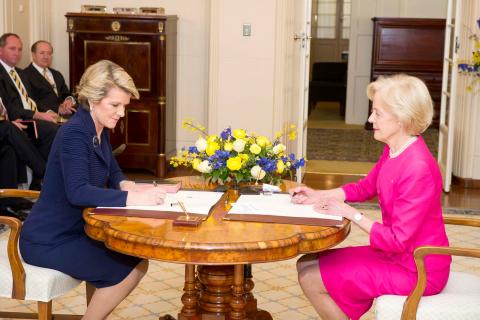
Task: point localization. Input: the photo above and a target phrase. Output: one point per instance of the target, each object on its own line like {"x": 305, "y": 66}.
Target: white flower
{"x": 279, "y": 148}
{"x": 204, "y": 167}
{"x": 201, "y": 144}
{"x": 257, "y": 173}
{"x": 239, "y": 145}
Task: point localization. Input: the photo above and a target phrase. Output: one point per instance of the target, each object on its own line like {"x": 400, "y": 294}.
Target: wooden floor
{"x": 458, "y": 197}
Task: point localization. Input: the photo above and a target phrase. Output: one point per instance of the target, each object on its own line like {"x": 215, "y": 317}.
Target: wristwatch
{"x": 358, "y": 217}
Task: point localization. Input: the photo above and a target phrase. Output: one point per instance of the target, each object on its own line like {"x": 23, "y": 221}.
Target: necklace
{"x": 402, "y": 148}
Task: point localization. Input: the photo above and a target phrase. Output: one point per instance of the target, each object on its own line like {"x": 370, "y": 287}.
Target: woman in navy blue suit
{"x": 82, "y": 172}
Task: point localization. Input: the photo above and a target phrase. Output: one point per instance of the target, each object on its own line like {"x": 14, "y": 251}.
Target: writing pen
{"x": 180, "y": 203}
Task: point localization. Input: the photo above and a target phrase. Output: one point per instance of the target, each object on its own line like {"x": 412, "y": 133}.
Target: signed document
{"x": 278, "y": 208}
{"x": 195, "y": 202}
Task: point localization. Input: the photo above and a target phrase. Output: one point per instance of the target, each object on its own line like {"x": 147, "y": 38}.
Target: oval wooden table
{"x": 215, "y": 253}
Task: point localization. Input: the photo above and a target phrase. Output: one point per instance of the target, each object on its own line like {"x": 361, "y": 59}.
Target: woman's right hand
{"x": 147, "y": 197}
{"x": 306, "y": 195}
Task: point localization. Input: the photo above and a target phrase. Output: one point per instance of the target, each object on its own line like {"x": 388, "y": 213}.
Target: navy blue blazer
{"x": 80, "y": 174}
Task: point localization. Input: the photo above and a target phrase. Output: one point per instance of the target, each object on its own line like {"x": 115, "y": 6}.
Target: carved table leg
{"x": 216, "y": 283}
{"x": 237, "y": 311}
{"x": 189, "y": 298}
{"x": 251, "y": 308}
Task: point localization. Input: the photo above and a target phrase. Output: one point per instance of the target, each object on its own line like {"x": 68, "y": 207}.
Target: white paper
{"x": 276, "y": 205}
{"x": 198, "y": 202}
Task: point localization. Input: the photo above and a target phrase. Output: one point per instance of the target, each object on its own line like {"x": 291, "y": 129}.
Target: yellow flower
{"x": 239, "y": 133}
{"x": 211, "y": 148}
{"x": 278, "y": 134}
{"x": 255, "y": 149}
{"x": 228, "y": 146}
{"x": 292, "y": 135}
{"x": 195, "y": 163}
{"x": 280, "y": 166}
{"x": 212, "y": 138}
{"x": 234, "y": 163}
{"x": 243, "y": 156}
{"x": 262, "y": 141}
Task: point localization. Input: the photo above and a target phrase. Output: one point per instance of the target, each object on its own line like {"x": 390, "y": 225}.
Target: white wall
{"x": 242, "y": 71}
{"x": 360, "y": 49}
{"x": 192, "y": 50}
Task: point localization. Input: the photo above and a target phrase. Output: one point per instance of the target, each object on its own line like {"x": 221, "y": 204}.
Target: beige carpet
{"x": 338, "y": 167}
{"x": 326, "y": 115}
{"x": 276, "y": 286}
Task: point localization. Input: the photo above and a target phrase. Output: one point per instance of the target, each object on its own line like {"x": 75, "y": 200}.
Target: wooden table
{"x": 214, "y": 254}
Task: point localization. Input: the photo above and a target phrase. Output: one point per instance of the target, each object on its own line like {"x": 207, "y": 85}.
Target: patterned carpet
{"x": 352, "y": 144}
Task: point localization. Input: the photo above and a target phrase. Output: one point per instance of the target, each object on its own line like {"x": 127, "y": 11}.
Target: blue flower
{"x": 478, "y": 23}
{"x": 299, "y": 163}
{"x": 268, "y": 165}
{"x": 226, "y": 134}
{"x": 193, "y": 150}
{"x": 292, "y": 156}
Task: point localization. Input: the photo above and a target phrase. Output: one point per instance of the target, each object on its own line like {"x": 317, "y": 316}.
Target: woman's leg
{"x": 104, "y": 300}
{"x": 314, "y": 289}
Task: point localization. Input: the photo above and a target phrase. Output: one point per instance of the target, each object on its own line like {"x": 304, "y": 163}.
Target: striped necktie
{"x": 52, "y": 83}
{"x": 16, "y": 78}
{"x": 3, "y": 111}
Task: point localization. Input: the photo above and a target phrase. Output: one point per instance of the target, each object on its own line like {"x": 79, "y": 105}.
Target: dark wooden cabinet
{"x": 411, "y": 46}
{"x": 145, "y": 46}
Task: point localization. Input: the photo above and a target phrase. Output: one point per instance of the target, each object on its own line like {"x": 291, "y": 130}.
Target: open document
{"x": 278, "y": 208}
{"x": 198, "y": 203}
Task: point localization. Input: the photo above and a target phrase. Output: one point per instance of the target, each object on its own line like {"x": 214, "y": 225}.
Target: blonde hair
{"x": 99, "y": 78}
{"x": 407, "y": 97}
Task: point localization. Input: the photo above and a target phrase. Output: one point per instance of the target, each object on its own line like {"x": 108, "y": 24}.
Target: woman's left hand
{"x": 335, "y": 207}
{"x": 127, "y": 185}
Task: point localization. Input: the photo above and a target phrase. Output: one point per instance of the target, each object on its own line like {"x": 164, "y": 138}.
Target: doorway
{"x": 327, "y": 131}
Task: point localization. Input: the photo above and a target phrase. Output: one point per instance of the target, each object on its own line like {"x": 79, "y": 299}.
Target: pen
{"x": 180, "y": 203}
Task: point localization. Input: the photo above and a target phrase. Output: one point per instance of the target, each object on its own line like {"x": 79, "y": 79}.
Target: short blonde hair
{"x": 407, "y": 97}
{"x": 99, "y": 78}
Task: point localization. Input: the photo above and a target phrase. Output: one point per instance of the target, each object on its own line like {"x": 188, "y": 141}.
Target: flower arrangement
{"x": 238, "y": 156}
{"x": 472, "y": 67}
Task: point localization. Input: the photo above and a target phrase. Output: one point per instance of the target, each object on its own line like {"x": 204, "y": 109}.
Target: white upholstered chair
{"x": 21, "y": 281}
{"x": 459, "y": 300}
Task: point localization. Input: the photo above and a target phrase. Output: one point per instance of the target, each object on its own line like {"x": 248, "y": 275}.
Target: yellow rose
{"x": 211, "y": 148}
{"x": 228, "y": 146}
{"x": 280, "y": 166}
{"x": 234, "y": 163}
{"x": 195, "y": 163}
{"x": 239, "y": 133}
{"x": 262, "y": 141}
{"x": 243, "y": 156}
{"x": 255, "y": 149}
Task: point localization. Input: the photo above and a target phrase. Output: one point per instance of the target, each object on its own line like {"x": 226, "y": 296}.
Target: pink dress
{"x": 409, "y": 188}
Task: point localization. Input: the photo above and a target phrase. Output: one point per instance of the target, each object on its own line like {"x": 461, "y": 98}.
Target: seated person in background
{"x": 13, "y": 207}
{"x": 48, "y": 86}
{"x": 26, "y": 153}
{"x": 81, "y": 173}
{"x": 17, "y": 100}
{"x": 342, "y": 283}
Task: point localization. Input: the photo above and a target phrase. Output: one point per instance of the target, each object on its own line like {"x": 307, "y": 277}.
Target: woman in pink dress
{"x": 342, "y": 283}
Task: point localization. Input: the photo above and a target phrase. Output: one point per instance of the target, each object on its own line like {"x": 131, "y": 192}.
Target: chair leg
{"x": 44, "y": 310}
{"x": 90, "y": 291}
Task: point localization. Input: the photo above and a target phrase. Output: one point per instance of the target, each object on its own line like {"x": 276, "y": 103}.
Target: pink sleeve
{"x": 366, "y": 188}
{"x": 415, "y": 192}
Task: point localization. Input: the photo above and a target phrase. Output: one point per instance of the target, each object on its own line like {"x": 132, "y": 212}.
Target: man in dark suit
{"x": 12, "y": 138}
{"x": 17, "y": 100}
{"x": 48, "y": 85}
